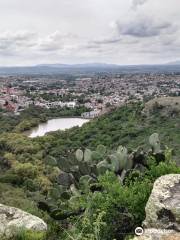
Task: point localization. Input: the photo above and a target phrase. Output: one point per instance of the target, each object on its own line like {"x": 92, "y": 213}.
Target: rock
{"x": 163, "y": 206}
{"x": 14, "y": 218}
{"x": 158, "y": 234}
{"x": 163, "y": 210}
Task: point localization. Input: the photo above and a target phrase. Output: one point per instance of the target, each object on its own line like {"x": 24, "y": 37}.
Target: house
{"x": 91, "y": 114}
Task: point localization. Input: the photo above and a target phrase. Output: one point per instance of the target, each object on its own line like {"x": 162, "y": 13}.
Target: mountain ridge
{"x": 88, "y": 68}
{"x": 174, "y": 63}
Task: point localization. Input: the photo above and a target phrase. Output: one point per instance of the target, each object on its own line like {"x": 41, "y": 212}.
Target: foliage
{"x": 125, "y": 126}
{"x": 23, "y": 234}
{"x": 26, "y": 125}
{"x": 25, "y": 170}
{"x": 122, "y": 207}
{"x": 108, "y": 184}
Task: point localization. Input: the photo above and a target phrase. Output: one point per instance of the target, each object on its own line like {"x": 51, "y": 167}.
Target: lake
{"x": 54, "y": 125}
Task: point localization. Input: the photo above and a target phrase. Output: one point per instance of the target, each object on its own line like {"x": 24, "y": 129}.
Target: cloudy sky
{"x": 80, "y": 31}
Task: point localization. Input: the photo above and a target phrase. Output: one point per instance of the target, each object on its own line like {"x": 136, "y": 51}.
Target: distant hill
{"x": 174, "y": 63}
{"x": 85, "y": 65}
{"x": 89, "y": 68}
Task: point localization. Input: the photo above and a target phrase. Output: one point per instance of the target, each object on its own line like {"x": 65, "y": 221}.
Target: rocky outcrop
{"x": 163, "y": 210}
{"x": 154, "y": 234}
{"x": 13, "y": 218}
{"x": 166, "y": 106}
{"x": 163, "y": 206}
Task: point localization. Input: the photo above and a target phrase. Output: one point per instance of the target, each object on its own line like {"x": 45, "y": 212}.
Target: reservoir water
{"x": 54, "y": 125}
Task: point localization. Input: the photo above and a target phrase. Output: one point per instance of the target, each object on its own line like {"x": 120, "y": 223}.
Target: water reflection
{"x": 54, "y": 125}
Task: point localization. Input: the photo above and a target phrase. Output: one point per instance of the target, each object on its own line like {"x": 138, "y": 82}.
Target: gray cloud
{"x": 144, "y": 31}
{"x": 12, "y": 41}
{"x": 143, "y": 27}
{"x": 52, "y": 42}
{"x": 137, "y": 3}
{"x": 16, "y": 42}
{"x": 111, "y": 40}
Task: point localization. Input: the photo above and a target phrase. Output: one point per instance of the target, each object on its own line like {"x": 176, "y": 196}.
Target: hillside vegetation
{"x": 100, "y": 190}
{"x": 166, "y": 106}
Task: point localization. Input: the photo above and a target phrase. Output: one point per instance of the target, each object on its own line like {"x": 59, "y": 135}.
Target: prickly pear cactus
{"x": 87, "y": 155}
{"x": 86, "y": 179}
{"x": 129, "y": 163}
{"x": 122, "y": 150}
{"x": 85, "y": 182}
{"x": 101, "y": 149}
{"x": 122, "y": 156}
{"x": 114, "y": 166}
{"x": 79, "y": 155}
{"x": 102, "y": 167}
{"x": 74, "y": 190}
{"x": 123, "y": 174}
{"x": 84, "y": 168}
{"x": 155, "y": 143}
{"x": 96, "y": 157}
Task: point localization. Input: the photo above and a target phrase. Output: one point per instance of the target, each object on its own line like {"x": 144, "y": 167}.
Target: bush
{"x": 23, "y": 234}
{"x": 25, "y": 170}
{"x": 10, "y": 178}
{"x": 123, "y": 206}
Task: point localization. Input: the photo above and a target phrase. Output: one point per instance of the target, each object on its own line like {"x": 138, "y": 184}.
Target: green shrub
{"x": 25, "y": 170}
{"x": 123, "y": 206}
{"x": 10, "y": 178}
{"x": 23, "y": 234}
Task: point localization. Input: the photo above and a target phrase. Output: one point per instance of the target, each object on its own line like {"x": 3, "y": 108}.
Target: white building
{"x": 91, "y": 114}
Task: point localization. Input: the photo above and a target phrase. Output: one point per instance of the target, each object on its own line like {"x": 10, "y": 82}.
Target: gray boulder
{"x": 163, "y": 206}
{"x": 163, "y": 210}
{"x": 12, "y": 219}
{"x": 156, "y": 234}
